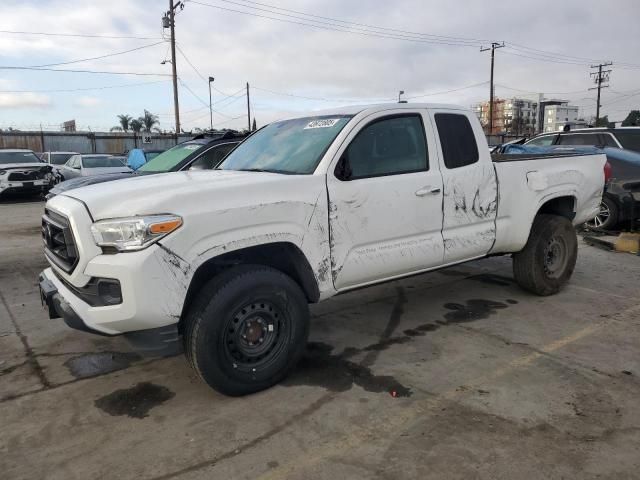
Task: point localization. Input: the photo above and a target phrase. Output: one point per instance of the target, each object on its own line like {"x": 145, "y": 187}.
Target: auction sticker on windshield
{"x": 324, "y": 123}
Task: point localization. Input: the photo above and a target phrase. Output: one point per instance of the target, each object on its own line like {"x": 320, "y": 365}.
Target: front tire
{"x": 549, "y": 257}
{"x": 247, "y": 329}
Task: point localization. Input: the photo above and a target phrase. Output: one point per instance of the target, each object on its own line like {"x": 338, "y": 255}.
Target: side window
{"x": 210, "y": 159}
{"x": 458, "y": 142}
{"x": 608, "y": 140}
{"x": 589, "y": 139}
{"x": 544, "y": 141}
{"x": 388, "y": 146}
{"x": 71, "y": 162}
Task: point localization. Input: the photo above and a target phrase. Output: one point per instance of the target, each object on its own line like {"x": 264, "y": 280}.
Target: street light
{"x": 211, "y": 79}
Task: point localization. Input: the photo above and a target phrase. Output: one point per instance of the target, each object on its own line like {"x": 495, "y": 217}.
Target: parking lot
{"x": 453, "y": 374}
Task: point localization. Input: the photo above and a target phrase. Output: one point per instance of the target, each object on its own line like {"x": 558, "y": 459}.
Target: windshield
{"x": 172, "y": 157}
{"x": 100, "y": 162}
{"x": 60, "y": 158}
{"x": 629, "y": 139}
{"x": 291, "y": 146}
{"x": 18, "y": 157}
{"x": 151, "y": 155}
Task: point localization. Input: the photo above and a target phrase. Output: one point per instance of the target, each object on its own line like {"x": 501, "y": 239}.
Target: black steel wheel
{"x": 547, "y": 261}
{"x": 246, "y": 329}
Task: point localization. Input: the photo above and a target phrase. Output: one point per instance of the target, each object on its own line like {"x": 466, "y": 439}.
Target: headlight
{"x": 134, "y": 233}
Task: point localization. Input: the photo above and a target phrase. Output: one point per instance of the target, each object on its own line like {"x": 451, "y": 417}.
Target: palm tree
{"x": 136, "y": 125}
{"x": 148, "y": 120}
{"x": 125, "y": 122}
{"x": 117, "y": 128}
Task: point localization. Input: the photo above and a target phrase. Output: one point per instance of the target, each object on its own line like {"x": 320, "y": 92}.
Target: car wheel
{"x": 549, "y": 257}
{"x": 607, "y": 217}
{"x": 246, "y": 329}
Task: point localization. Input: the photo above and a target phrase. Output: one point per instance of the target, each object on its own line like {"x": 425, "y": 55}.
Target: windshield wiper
{"x": 267, "y": 170}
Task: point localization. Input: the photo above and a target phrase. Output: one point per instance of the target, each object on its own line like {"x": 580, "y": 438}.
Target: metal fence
{"x": 87, "y": 142}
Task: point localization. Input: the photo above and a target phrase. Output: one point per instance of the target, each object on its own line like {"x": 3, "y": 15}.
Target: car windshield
{"x": 60, "y": 158}
{"x": 172, "y": 157}
{"x": 629, "y": 139}
{"x": 151, "y": 155}
{"x": 18, "y": 157}
{"x": 291, "y": 146}
{"x": 100, "y": 162}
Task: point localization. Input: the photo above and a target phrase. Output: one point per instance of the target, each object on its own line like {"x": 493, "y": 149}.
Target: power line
{"x": 98, "y": 57}
{"x": 337, "y": 28}
{"x": 322, "y": 99}
{"x": 5, "y": 67}
{"x": 68, "y": 90}
{"x": 426, "y": 35}
{"x": 448, "y": 91}
{"x": 80, "y": 35}
{"x": 195, "y": 95}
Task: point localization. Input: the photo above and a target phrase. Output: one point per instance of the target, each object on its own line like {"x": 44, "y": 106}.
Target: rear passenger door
{"x": 385, "y": 201}
{"x": 469, "y": 183}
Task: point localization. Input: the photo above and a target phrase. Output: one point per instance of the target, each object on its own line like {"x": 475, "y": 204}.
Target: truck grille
{"x": 59, "y": 245}
{"x": 26, "y": 175}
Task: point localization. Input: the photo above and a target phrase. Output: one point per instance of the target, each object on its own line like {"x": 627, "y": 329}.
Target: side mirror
{"x": 343, "y": 169}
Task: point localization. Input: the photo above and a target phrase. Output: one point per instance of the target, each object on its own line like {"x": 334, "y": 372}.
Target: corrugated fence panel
{"x": 85, "y": 142}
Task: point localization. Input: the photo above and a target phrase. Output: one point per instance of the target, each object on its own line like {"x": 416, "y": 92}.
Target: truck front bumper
{"x": 61, "y": 302}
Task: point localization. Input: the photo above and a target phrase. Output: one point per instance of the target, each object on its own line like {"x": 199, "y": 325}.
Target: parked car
{"x": 302, "y": 210}
{"x": 21, "y": 171}
{"x": 121, "y": 158}
{"x": 627, "y": 138}
{"x": 92, "y": 164}
{"x": 201, "y": 152}
{"x": 57, "y": 160}
{"x": 620, "y": 203}
{"x": 139, "y": 156}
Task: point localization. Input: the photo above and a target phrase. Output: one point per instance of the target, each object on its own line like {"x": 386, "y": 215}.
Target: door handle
{"x": 428, "y": 191}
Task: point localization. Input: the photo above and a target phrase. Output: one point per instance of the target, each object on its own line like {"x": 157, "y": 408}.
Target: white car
{"x": 22, "y": 171}
{"x": 56, "y": 160}
{"x": 302, "y": 210}
{"x": 92, "y": 164}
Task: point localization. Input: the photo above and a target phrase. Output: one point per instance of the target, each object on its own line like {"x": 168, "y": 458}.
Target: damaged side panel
{"x": 470, "y": 206}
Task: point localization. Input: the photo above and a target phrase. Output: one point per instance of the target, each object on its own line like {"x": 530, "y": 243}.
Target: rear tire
{"x": 246, "y": 329}
{"x": 549, "y": 257}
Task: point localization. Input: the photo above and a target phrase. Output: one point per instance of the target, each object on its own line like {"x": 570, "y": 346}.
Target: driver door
{"x": 385, "y": 201}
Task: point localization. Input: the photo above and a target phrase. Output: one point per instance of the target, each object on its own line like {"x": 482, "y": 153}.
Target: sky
{"x": 306, "y": 56}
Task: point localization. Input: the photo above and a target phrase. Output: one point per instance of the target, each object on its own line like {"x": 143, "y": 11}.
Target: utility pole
{"x": 211, "y": 79}
{"x": 248, "y": 110}
{"x": 493, "y": 47}
{"x": 169, "y": 21}
{"x": 599, "y": 78}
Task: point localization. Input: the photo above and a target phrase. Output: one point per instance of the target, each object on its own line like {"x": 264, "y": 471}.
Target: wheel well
{"x": 563, "y": 206}
{"x": 283, "y": 256}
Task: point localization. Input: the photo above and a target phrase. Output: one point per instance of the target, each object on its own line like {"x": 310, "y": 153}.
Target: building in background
{"x": 513, "y": 116}
{"x": 557, "y": 117}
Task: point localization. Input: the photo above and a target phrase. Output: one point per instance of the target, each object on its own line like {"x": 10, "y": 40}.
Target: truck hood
{"x": 24, "y": 166}
{"x": 84, "y": 181}
{"x": 178, "y": 192}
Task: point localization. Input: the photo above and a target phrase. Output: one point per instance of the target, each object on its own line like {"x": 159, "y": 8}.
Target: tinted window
{"x": 18, "y": 157}
{"x": 100, "y": 162}
{"x": 388, "y": 146}
{"x": 458, "y": 142}
{"x": 629, "y": 139}
{"x": 290, "y": 146}
{"x": 609, "y": 141}
{"x": 212, "y": 158}
{"x": 580, "y": 139}
{"x": 542, "y": 141}
{"x": 60, "y": 158}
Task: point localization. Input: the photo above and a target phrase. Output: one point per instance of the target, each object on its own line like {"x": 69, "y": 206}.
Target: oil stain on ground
{"x": 337, "y": 373}
{"x": 93, "y": 364}
{"x": 134, "y": 402}
{"x": 318, "y": 367}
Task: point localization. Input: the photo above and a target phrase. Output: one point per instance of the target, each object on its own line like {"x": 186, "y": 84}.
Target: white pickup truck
{"x": 306, "y": 208}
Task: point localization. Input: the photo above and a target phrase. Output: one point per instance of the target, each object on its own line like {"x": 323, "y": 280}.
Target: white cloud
{"x": 24, "y": 100}
{"x": 87, "y": 102}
